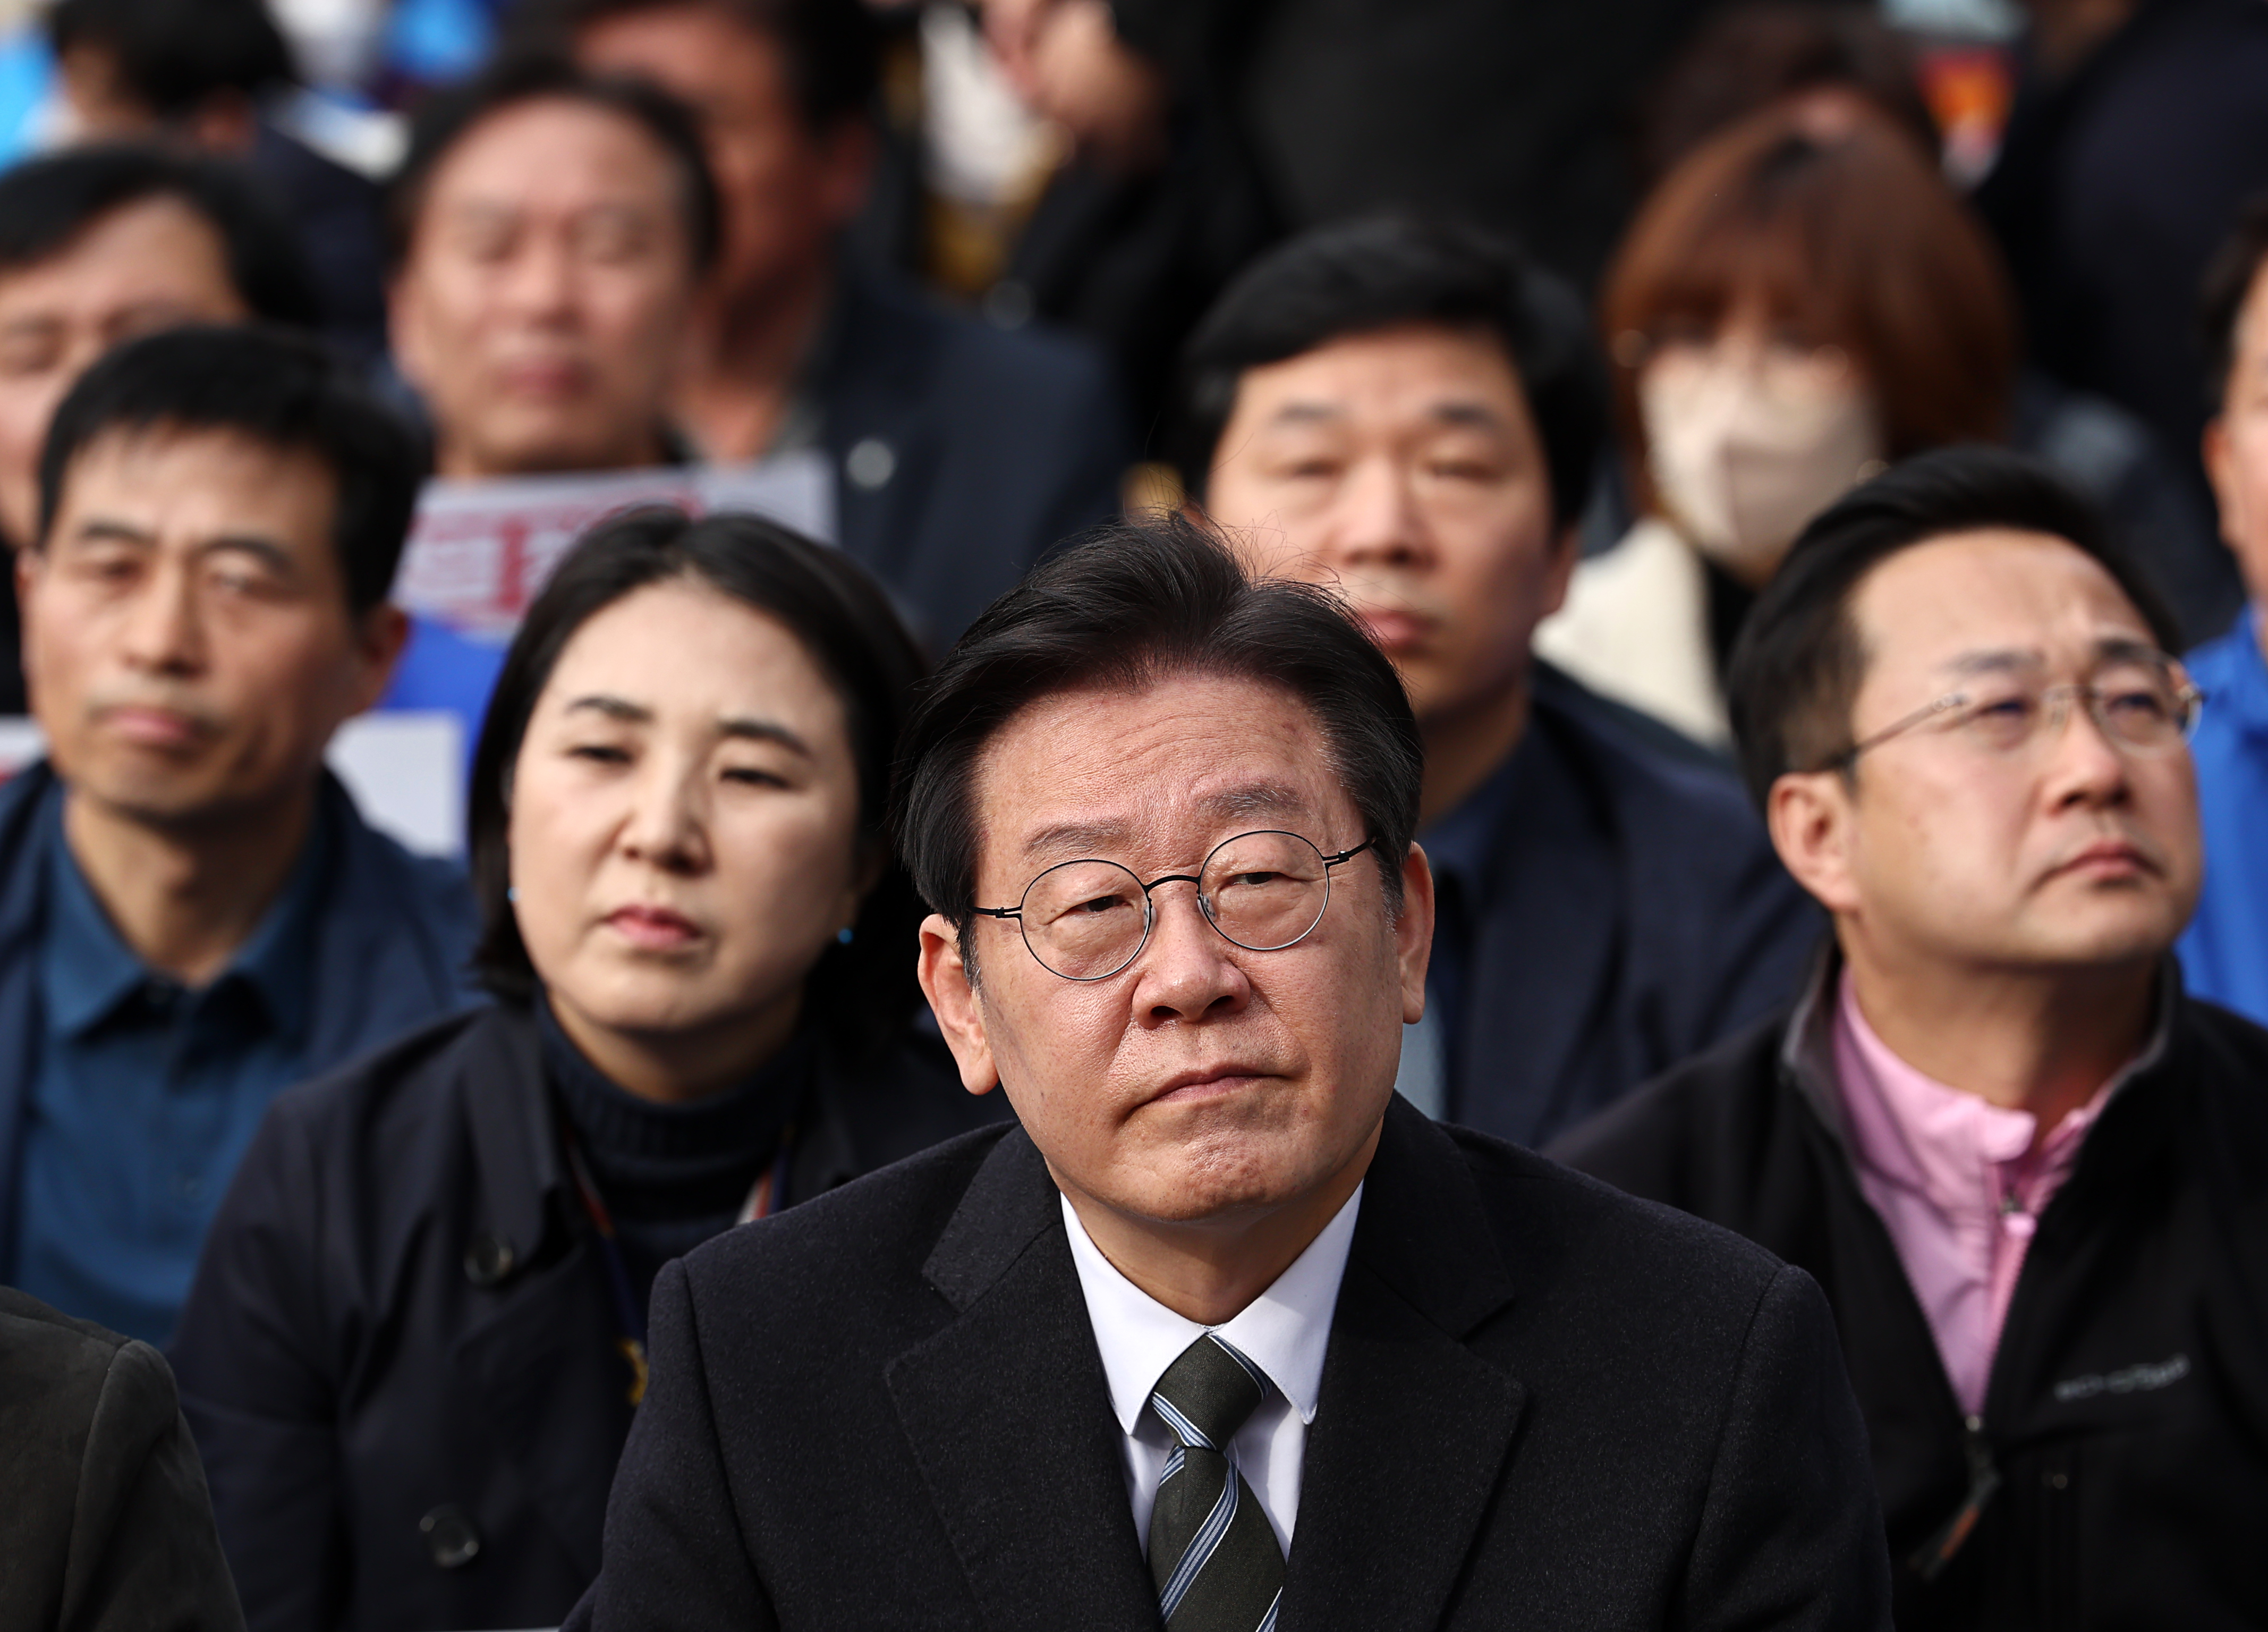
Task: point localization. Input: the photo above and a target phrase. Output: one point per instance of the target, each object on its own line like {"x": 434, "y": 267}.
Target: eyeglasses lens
{"x": 1083, "y": 920}
{"x": 1265, "y": 890}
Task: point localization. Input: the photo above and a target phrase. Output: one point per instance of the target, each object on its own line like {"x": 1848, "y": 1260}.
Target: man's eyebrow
{"x": 103, "y": 530}
{"x": 1467, "y": 413}
{"x": 1306, "y": 413}
{"x": 1245, "y": 801}
{"x": 2002, "y": 661}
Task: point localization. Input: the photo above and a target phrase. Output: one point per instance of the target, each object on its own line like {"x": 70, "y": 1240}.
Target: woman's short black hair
{"x": 1798, "y": 666}
{"x": 448, "y": 116}
{"x": 1359, "y": 277}
{"x": 281, "y": 389}
{"x": 861, "y": 993}
{"x": 1131, "y": 603}
{"x": 47, "y": 202}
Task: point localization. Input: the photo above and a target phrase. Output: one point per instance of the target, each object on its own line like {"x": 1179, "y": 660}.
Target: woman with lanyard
{"x": 416, "y": 1339}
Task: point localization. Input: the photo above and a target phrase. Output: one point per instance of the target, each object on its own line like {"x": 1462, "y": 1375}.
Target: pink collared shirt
{"x": 1955, "y": 1180}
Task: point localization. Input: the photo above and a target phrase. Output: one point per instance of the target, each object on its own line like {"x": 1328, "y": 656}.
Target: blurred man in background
{"x": 99, "y": 245}
{"x": 963, "y": 452}
{"x": 193, "y": 915}
{"x": 212, "y": 74}
{"x": 2023, "y": 1162}
{"x": 1412, "y": 413}
{"x": 2225, "y": 954}
{"x": 551, "y": 231}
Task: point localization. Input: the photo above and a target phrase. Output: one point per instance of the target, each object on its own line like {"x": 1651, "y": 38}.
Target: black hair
{"x": 281, "y": 389}
{"x": 47, "y": 202}
{"x": 1360, "y": 276}
{"x": 861, "y": 993}
{"x": 1798, "y": 666}
{"x": 446, "y": 117}
{"x": 2228, "y": 279}
{"x": 832, "y": 49}
{"x": 1129, "y": 603}
{"x": 175, "y": 55}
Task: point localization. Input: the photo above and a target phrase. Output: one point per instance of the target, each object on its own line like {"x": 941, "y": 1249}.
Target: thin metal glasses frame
{"x": 2055, "y": 699}
{"x": 1150, "y": 905}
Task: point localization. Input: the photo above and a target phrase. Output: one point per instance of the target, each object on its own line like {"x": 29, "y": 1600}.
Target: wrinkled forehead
{"x": 552, "y": 154}
{"x": 1153, "y": 774}
{"x": 2021, "y": 599}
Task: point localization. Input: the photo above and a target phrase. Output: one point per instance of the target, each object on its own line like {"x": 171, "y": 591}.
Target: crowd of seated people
{"x": 1016, "y": 1031}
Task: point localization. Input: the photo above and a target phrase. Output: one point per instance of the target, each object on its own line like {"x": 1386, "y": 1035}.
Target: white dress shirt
{"x": 1284, "y": 1331}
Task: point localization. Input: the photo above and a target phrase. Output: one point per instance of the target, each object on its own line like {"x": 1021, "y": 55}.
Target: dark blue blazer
{"x": 1636, "y": 914}
{"x": 994, "y": 445}
{"x": 391, "y": 937}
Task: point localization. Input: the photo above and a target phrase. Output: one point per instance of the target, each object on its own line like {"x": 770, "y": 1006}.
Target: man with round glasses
{"x": 1225, "y": 1334}
{"x": 2023, "y": 1164}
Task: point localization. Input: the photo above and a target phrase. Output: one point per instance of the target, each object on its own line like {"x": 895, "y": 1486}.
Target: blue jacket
{"x": 393, "y": 936}
{"x": 1635, "y": 915}
{"x": 2225, "y": 954}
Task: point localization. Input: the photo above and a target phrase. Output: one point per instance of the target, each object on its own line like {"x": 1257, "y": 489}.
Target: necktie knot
{"x": 1207, "y": 1393}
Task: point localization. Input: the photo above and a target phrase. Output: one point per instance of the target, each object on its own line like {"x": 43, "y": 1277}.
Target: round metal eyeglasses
{"x": 1088, "y": 919}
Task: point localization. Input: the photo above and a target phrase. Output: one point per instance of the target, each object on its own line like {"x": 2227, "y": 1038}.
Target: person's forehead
{"x": 1410, "y": 372}
{"x": 152, "y": 251}
{"x": 1131, "y": 768}
{"x": 1934, "y": 604}
{"x": 728, "y": 658}
{"x": 702, "y": 51}
{"x": 554, "y": 152}
{"x": 202, "y": 480}
{"x": 2251, "y": 336}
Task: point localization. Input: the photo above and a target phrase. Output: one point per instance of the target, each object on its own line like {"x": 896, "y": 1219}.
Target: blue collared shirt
{"x": 2225, "y": 952}
{"x": 145, "y": 1093}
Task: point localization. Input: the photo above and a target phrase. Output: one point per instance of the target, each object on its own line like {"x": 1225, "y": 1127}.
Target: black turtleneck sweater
{"x": 671, "y": 1175}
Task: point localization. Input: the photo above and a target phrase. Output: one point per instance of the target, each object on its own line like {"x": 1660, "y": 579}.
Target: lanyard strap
{"x": 765, "y": 1198}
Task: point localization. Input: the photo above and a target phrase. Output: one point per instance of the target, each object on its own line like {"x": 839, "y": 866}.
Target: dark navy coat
{"x": 393, "y": 933}
{"x": 962, "y": 452}
{"x": 1635, "y": 915}
{"x": 400, "y": 1359}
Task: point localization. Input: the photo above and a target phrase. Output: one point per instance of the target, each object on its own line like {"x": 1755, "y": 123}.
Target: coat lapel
{"x": 1412, "y": 1429}
{"x": 1010, "y": 1420}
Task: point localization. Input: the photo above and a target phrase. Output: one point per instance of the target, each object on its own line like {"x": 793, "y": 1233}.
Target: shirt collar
{"x": 88, "y": 969}
{"x": 1284, "y": 1331}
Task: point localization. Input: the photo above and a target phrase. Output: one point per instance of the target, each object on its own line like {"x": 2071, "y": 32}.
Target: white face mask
{"x": 1745, "y": 448}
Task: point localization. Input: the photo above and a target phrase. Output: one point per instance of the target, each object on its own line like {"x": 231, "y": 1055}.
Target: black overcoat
{"x": 1543, "y": 1405}
{"x": 400, "y": 1359}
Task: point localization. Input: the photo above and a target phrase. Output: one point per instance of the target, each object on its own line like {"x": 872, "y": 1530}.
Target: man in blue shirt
{"x": 2225, "y": 954}
{"x": 1410, "y": 414}
{"x": 193, "y": 915}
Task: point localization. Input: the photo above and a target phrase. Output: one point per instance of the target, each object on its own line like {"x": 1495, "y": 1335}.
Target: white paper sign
{"x": 478, "y": 551}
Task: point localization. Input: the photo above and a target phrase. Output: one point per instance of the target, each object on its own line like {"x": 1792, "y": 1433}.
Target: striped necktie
{"x": 1212, "y": 1553}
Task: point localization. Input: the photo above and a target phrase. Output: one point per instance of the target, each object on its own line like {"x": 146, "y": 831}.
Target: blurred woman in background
{"x": 1802, "y": 301}
{"x": 417, "y": 1334}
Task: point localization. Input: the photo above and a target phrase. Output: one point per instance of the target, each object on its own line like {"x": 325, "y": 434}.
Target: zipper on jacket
{"x": 1930, "y": 1559}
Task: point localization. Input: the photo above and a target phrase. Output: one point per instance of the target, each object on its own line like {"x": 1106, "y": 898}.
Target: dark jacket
{"x": 2126, "y": 1417}
{"x": 400, "y": 1356}
{"x": 1637, "y": 914}
{"x": 962, "y": 452}
{"x": 1542, "y": 1406}
{"x": 108, "y": 1527}
{"x": 393, "y": 932}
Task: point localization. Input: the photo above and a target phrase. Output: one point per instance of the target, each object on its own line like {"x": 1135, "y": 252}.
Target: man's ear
{"x": 381, "y": 635}
{"x": 1566, "y": 556}
{"x": 1413, "y": 932}
{"x": 952, "y": 998}
{"x": 1812, "y": 821}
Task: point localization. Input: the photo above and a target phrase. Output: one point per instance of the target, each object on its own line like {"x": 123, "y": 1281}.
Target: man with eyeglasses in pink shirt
{"x": 2022, "y": 1163}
